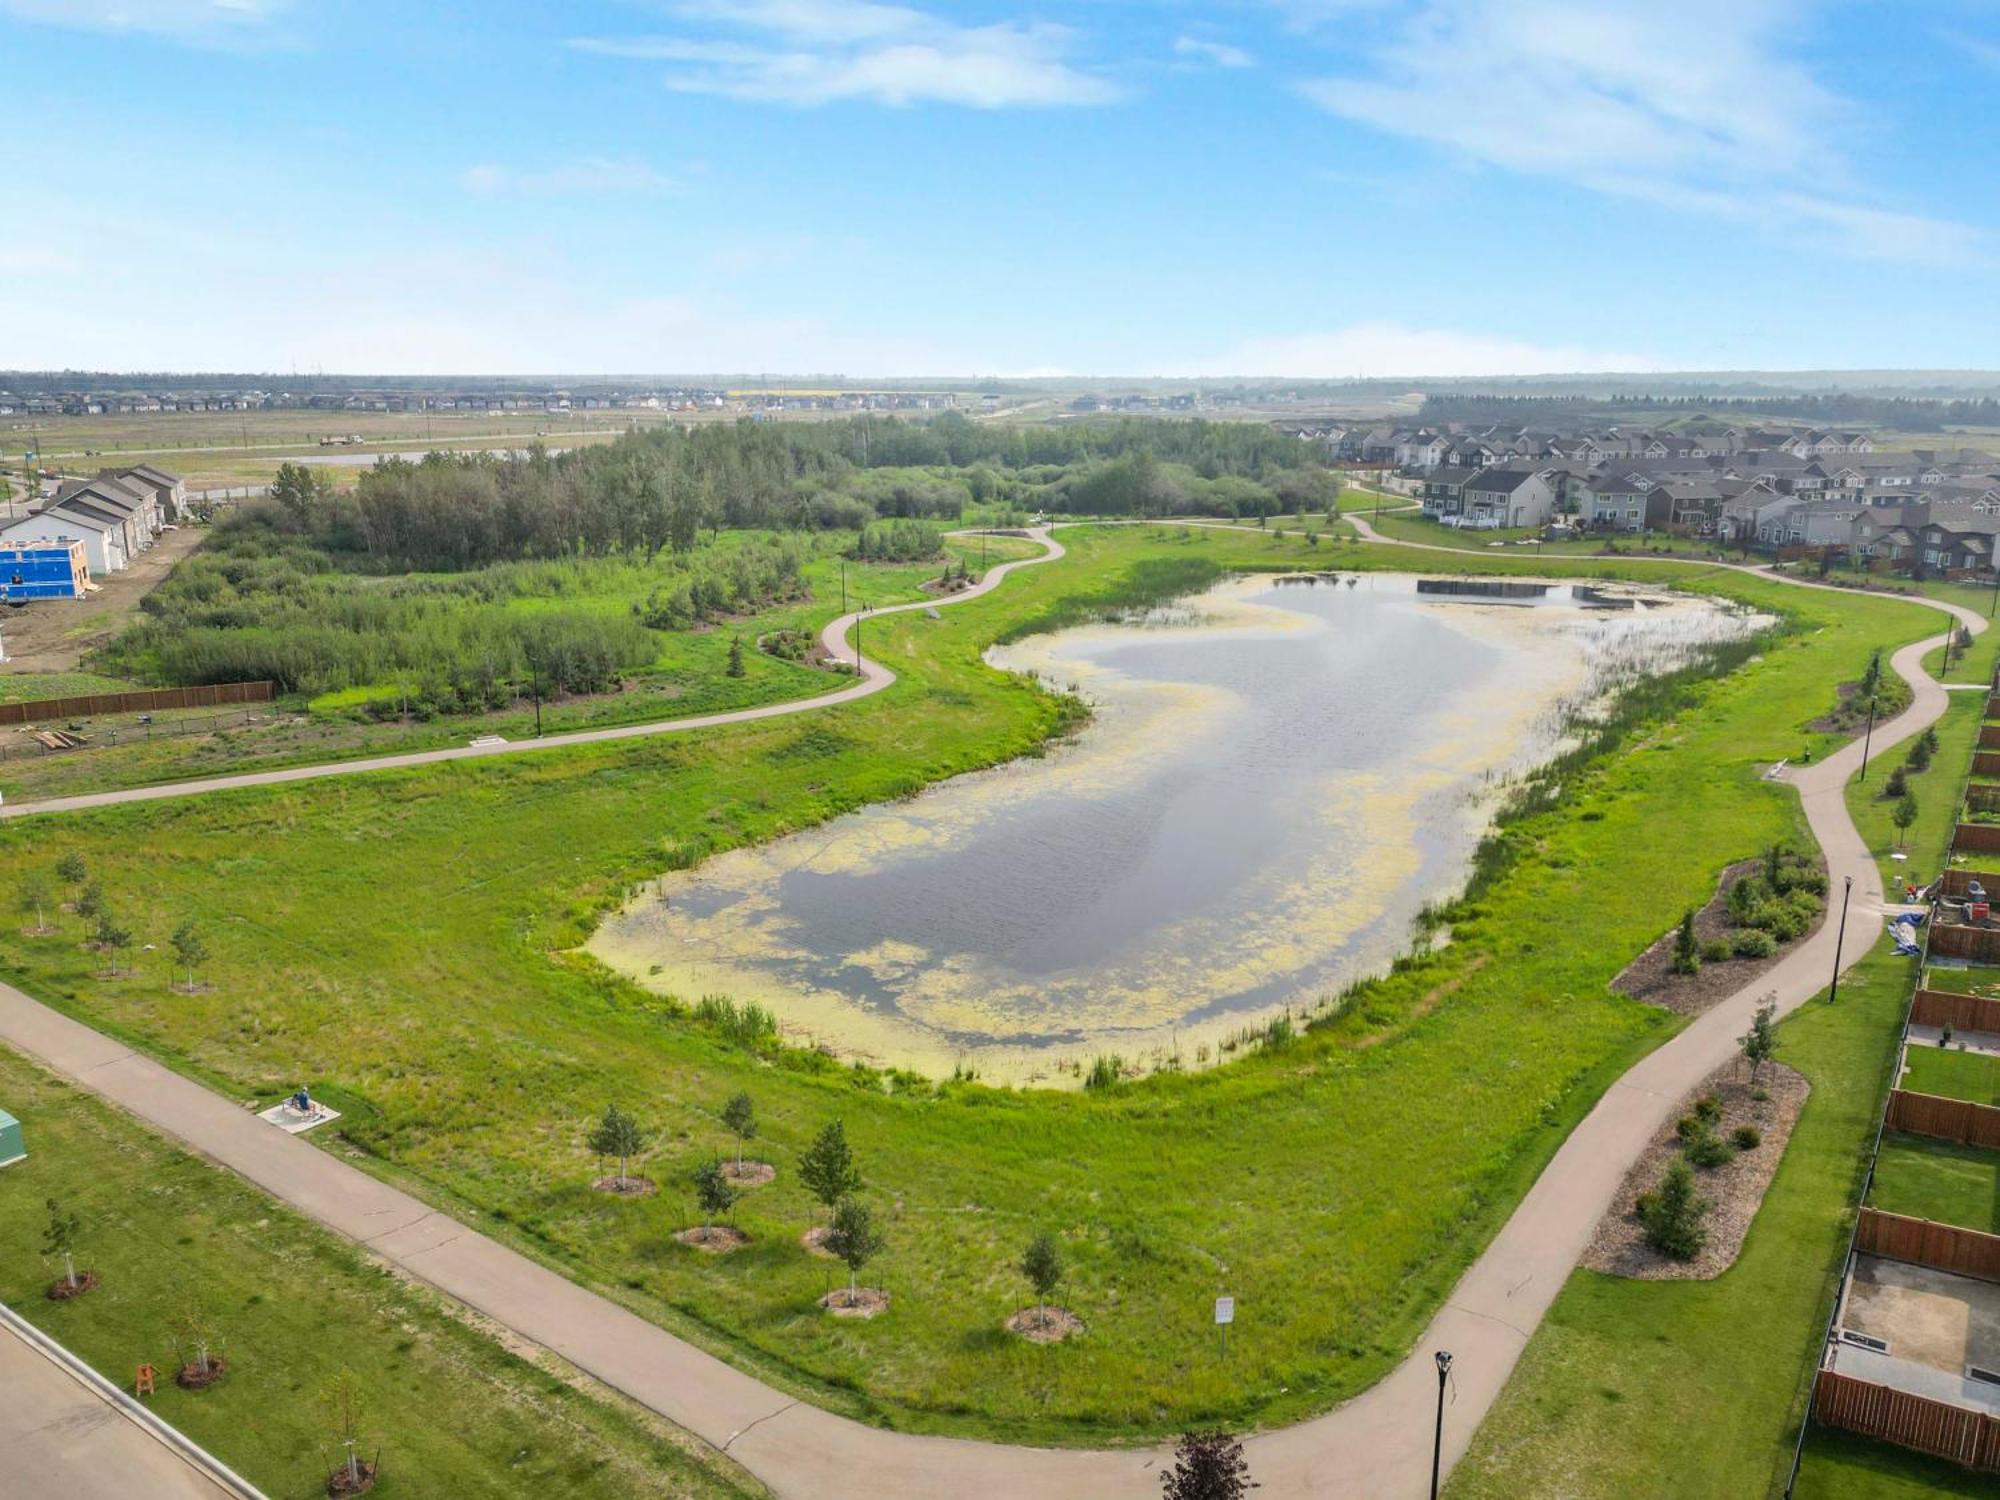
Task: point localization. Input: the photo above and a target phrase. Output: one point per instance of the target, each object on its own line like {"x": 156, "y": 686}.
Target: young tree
{"x": 112, "y": 938}
{"x": 194, "y": 1330}
{"x": 827, "y": 1169}
{"x": 1904, "y": 815}
{"x": 736, "y": 668}
{"x": 71, "y": 870}
{"x": 90, "y": 900}
{"x": 1042, "y": 1265}
{"x": 1207, "y": 1466}
{"x": 1898, "y": 783}
{"x": 31, "y": 894}
{"x": 342, "y": 1399}
{"x": 740, "y": 1115}
{"x": 189, "y": 949}
{"x": 1672, "y": 1214}
{"x": 60, "y": 1236}
{"x": 854, "y": 1238}
{"x": 1760, "y": 1042}
{"x": 1687, "y": 953}
{"x": 713, "y": 1190}
{"x": 617, "y": 1134}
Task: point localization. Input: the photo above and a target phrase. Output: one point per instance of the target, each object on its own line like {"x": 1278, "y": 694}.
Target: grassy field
{"x": 1953, "y": 1074}
{"x": 291, "y": 1307}
{"x": 1930, "y": 1179}
{"x": 398, "y": 941}
{"x": 1622, "y": 1373}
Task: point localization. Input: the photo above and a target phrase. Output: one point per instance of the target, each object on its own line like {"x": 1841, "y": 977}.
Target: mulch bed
{"x": 716, "y": 1239}
{"x": 814, "y": 1240}
{"x": 61, "y": 1291}
{"x": 862, "y": 1302}
{"x": 191, "y": 1377}
{"x": 750, "y": 1174}
{"x": 1618, "y": 1246}
{"x": 1650, "y": 977}
{"x": 627, "y": 1187}
{"x": 340, "y": 1482}
{"x": 1044, "y": 1325}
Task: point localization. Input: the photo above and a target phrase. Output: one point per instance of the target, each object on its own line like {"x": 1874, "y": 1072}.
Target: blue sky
{"x": 1289, "y": 187}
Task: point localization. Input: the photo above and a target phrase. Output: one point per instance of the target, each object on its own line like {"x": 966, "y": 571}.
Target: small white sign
{"x": 1225, "y": 1309}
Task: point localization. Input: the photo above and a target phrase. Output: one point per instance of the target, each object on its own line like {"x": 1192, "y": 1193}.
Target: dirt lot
{"x": 51, "y": 635}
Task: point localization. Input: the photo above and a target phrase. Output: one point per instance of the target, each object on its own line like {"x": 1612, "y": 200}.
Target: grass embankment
{"x": 688, "y": 677}
{"x": 1696, "y": 1388}
{"x": 389, "y": 939}
{"x": 291, "y": 1307}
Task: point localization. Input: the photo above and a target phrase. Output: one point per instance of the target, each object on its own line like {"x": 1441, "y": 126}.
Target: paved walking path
{"x": 1377, "y": 1444}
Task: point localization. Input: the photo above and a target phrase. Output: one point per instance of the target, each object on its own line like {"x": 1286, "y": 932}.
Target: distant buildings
{"x": 111, "y": 518}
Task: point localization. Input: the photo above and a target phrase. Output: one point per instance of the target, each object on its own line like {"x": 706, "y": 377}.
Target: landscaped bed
{"x": 1730, "y": 952}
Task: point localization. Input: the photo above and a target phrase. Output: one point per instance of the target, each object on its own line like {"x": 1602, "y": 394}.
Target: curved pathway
{"x": 1376, "y": 1444}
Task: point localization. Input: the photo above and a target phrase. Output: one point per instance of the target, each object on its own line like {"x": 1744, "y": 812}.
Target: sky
{"x": 1295, "y": 188}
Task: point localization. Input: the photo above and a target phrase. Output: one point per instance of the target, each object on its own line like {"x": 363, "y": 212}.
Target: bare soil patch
{"x": 61, "y": 1291}
{"x": 200, "y": 987}
{"x": 1735, "y": 1189}
{"x": 814, "y": 1240}
{"x": 1044, "y": 1325}
{"x": 54, "y": 635}
{"x": 40, "y": 931}
{"x": 861, "y": 1302}
{"x": 716, "y": 1239}
{"x": 748, "y": 1174}
{"x": 360, "y": 1482}
{"x": 191, "y": 1376}
{"x": 627, "y": 1187}
{"x": 1650, "y": 977}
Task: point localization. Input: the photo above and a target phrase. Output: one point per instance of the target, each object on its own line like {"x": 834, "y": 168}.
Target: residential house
{"x": 1509, "y": 497}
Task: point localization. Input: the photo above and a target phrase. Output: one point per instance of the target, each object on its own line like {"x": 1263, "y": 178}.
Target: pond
{"x": 1278, "y": 775}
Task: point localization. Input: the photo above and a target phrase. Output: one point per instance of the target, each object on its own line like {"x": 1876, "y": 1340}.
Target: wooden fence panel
{"x": 1993, "y": 706}
{"x": 1958, "y": 882}
{"x": 1989, "y": 737}
{"x": 1957, "y": 1433}
{"x": 1944, "y": 1119}
{"x": 1977, "y": 838}
{"x": 1924, "y": 1242}
{"x": 1982, "y": 798}
{"x": 1959, "y": 1012}
{"x": 146, "y": 700}
{"x": 1956, "y": 940}
{"x": 1986, "y": 763}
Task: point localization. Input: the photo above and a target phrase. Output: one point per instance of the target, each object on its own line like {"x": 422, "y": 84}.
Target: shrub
{"x": 1687, "y": 954}
{"x": 1688, "y": 1129}
{"x": 1709, "y": 1150}
{"x": 1751, "y": 943}
{"x": 1672, "y": 1215}
{"x": 1715, "y": 950}
{"x": 1709, "y": 1108}
{"x": 1104, "y": 1072}
{"x": 1897, "y": 784}
{"x": 1746, "y": 1137}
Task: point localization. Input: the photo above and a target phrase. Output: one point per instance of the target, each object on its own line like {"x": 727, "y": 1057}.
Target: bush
{"x": 1715, "y": 950}
{"x": 899, "y": 540}
{"x": 1672, "y": 1215}
{"x": 1751, "y": 943}
{"x": 1746, "y": 1137}
{"x": 1709, "y": 1150}
{"x": 1897, "y": 784}
{"x": 1709, "y": 1108}
{"x": 1688, "y": 1129}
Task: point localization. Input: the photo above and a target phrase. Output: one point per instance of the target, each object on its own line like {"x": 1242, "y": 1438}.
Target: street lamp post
{"x": 1437, "y": 1437}
{"x": 1839, "y": 938}
{"x": 1867, "y": 738}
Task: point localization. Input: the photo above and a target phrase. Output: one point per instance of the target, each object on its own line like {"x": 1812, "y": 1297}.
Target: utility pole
{"x": 857, "y": 646}
{"x": 1839, "y": 937}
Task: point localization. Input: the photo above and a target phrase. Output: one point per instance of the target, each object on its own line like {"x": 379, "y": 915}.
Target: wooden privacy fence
{"x": 1957, "y": 1433}
{"x": 1989, "y": 737}
{"x": 1959, "y": 1012}
{"x": 1958, "y": 883}
{"x": 1922, "y": 1242}
{"x": 145, "y": 701}
{"x": 1986, "y": 763}
{"x": 1944, "y": 1119}
{"x": 1977, "y": 838}
{"x": 1956, "y": 940}
{"x": 1993, "y": 706}
{"x": 1982, "y": 798}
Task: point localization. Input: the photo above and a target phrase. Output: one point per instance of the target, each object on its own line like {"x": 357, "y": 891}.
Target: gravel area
{"x": 1619, "y": 1248}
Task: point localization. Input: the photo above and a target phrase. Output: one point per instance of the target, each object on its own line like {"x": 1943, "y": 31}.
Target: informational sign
{"x": 1225, "y": 1309}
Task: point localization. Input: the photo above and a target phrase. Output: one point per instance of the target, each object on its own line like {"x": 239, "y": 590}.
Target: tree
{"x": 740, "y": 1115}
{"x": 194, "y": 1330}
{"x": 189, "y": 949}
{"x": 617, "y": 1134}
{"x": 1207, "y": 1466}
{"x": 1904, "y": 815}
{"x": 90, "y": 900}
{"x": 1687, "y": 953}
{"x": 1898, "y": 783}
{"x": 60, "y": 1236}
{"x": 827, "y": 1169}
{"x": 112, "y": 938}
{"x": 31, "y": 895}
{"x": 1760, "y": 1042}
{"x": 736, "y": 668}
{"x": 713, "y": 1190}
{"x": 342, "y": 1399}
{"x": 71, "y": 870}
{"x": 1042, "y": 1265}
{"x": 1672, "y": 1215}
{"x": 854, "y": 1238}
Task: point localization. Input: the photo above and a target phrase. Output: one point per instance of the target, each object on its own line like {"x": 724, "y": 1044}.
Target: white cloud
{"x": 588, "y": 174}
{"x": 1384, "y": 350}
{"x": 1219, "y": 54}
{"x": 1695, "y": 104}
{"x": 183, "y": 18}
{"x": 809, "y": 52}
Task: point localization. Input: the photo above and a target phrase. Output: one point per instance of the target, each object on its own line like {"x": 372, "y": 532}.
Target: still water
{"x": 1278, "y": 775}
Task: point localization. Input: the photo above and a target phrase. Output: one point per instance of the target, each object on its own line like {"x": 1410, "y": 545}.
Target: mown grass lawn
{"x": 290, "y": 1307}
{"x": 1953, "y": 1074}
{"x": 397, "y": 941}
{"x": 1941, "y": 1180}
{"x": 1696, "y": 1388}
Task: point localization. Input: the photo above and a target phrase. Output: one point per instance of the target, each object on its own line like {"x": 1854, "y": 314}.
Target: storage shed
{"x": 12, "y": 1146}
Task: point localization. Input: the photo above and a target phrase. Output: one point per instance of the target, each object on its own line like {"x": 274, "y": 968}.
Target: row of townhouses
{"x": 115, "y": 516}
